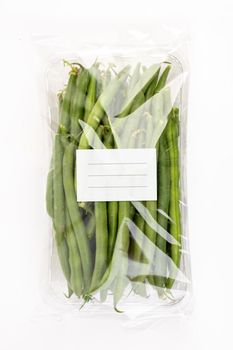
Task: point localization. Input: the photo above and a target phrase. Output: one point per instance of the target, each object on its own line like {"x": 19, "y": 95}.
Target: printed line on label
{"x": 117, "y": 186}
{"x": 143, "y": 163}
{"x": 92, "y": 175}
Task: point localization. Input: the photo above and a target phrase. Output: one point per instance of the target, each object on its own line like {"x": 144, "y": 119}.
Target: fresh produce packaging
{"x": 116, "y": 184}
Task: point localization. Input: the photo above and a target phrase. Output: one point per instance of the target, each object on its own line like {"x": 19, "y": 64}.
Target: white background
{"x": 210, "y": 175}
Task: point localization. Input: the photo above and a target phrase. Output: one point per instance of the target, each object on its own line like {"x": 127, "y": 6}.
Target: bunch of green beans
{"x": 107, "y": 247}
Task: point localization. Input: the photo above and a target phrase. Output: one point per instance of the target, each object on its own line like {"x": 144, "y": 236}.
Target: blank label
{"x": 116, "y": 175}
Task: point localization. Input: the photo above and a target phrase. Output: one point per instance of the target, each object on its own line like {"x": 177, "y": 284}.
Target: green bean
{"x": 49, "y": 194}
{"x": 112, "y": 227}
{"x": 125, "y": 211}
{"x": 76, "y": 282}
{"x": 60, "y": 102}
{"x": 78, "y": 102}
{"x": 101, "y": 234}
{"x": 65, "y": 107}
{"x": 150, "y": 205}
{"x": 135, "y": 249}
{"x": 112, "y": 207}
{"x": 55, "y": 191}
{"x": 151, "y": 234}
{"x": 49, "y": 186}
{"x": 137, "y": 255}
{"x": 75, "y": 96}
{"x": 58, "y": 191}
{"x": 59, "y": 207}
{"x": 121, "y": 278}
{"x": 104, "y": 100}
{"x": 134, "y": 79}
{"x": 137, "y": 143}
{"x": 60, "y": 141}
{"x": 88, "y": 217}
{"x": 136, "y": 252}
{"x": 126, "y": 138}
{"x": 105, "y": 121}
{"x": 152, "y": 87}
{"x": 91, "y": 226}
{"x": 63, "y": 254}
{"x": 73, "y": 209}
{"x": 150, "y": 109}
{"x": 101, "y": 237}
{"x": 70, "y": 292}
{"x": 101, "y": 243}
{"x": 147, "y": 82}
{"x": 174, "y": 209}
{"x": 131, "y": 211}
{"x": 138, "y": 101}
{"x": 162, "y": 79}
{"x": 163, "y": 205}
{"x": 91, "y": 93}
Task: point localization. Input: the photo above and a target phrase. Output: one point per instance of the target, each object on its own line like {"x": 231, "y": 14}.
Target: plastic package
{"x": 116, "y": 185}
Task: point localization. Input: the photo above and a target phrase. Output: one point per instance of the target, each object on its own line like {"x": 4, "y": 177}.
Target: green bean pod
{"x": 163, "y": 79}
{"x": 137, "y": 142}
{"x": 65, "y": 106}
{"x": 174, "y": 209}
{"x": 103, "y": 101}
{"x": 112, "y": 224}
{"x": 151, "y": 206}
{"x": 73, "y": 209}
{"x": 91, "y": 226}
{"x": 134, "y": 79}
{"x": 63, "y": 254}
{"x": 156, "y": 86}
{"x": 49, "y": 186}
{"x": 49, "y": 194}
{"x": 128, "y": 109}
{"x": 112, "y": 227}
{"x": 112, "y": 207}
{"x": 163, "y": 205}
{"x": 58, "y": 191}
{"x": 126, "y": 136}
{"x": 59, "y": 144}
{"x": 121, "y": 279}
{"x": 76, "y": 278}
{"x": 101, "y": 235}
{"x": 152, "y": 87}
{"x": 137, "y": 255}
{"x": 138, "y": 101}
{"x": 136, "y": 251}
{"x": 78, "y": 102}
{"x": 101, "y": 243}
{"x": 91, "y": 93}
{"x": 59, "y": 209}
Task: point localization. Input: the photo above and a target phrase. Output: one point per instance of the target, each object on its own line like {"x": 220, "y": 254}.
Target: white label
{"x": 116, "y": 175}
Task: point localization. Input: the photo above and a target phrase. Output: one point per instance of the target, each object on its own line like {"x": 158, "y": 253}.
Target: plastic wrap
{"x": 126, "y": 250}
